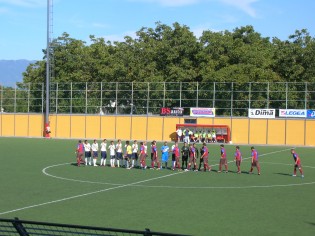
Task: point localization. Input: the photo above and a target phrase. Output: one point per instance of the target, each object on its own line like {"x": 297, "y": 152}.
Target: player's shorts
{"x": 238, "y": 162}
{"x": 88, "y": 154}
{"x": 128, "y": 156}
{"x": 192, "y": 159}
{"x": 223, "y": 161}
{"x": 255, "y": 163}
{"x": 119, "y": 155}
{"x": 103, "y": 154}
{"x": 173, "y": 157}
{"x": 134, "y": 155}
{"x": 205, "y": 160}
{"x": 298, "y": 165}
{"x": 151, "y": 156}
{"x": 185, "y": 158}
{"x": 79, "y": 154}
{"x": 95, "y": 154}
{"x": 112, "y": 157}
{"x": 143, "y": 156}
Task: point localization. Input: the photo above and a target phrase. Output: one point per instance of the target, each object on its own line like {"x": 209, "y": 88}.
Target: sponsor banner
{"x": 292, "y": 113}
{"x": 199, "y": 111}
{"x": 175, "y": 111}
{"x": 310, "y": 114}
{"x": 262, "y": 113}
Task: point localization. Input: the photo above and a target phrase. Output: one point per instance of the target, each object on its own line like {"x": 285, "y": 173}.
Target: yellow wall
{"x": 78, "y": 127}
{"x": 63, "y": 126}
{"x": 7, "y": 125}
{"x": 169, "y": 132}
{"x": 155, "y": 128}
{"x": 239, "y": 131}
{"x": 295, "y": 132}
{"x": 93, "y": 127}
{"x": 276, "y": 132}
{"x": 108, "y": 127}
{"x": 257, "y": 131}
{"x": 123, "y": 127}
{"x": 21, "y": 125}
{"x": 139, "y": 128}
{"x": 310, "y": 133}
{"x": 53, "y": 125}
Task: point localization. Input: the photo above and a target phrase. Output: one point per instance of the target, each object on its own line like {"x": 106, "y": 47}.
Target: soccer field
{"x": 40, "y": 182}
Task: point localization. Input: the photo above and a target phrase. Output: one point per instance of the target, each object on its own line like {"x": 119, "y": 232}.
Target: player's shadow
{"x": 311, "y": 223}
{"x": 285, "y": 174}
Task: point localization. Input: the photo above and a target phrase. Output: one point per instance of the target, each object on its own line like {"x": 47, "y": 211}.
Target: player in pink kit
{"x": 79, "y": 152}
{"x": 238, "y": 159}
{"x": 143, "y": 155}
{"x": 176, "y": 153}
{"x": 192, "y": 157}
{"x": 155, "y": 158}
{"x": 223, "y": 160}
{"x": 297, "y": 163}
{"x": 254, "y": 161}
{"x": 205, "y": 156}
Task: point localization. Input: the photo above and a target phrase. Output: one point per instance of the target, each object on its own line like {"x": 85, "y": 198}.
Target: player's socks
{"x": 133, "y": 163}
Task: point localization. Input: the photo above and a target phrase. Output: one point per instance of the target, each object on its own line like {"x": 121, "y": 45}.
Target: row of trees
{"x": 173, "y": 54}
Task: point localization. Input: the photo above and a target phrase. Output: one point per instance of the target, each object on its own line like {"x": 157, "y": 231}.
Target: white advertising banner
{"x": 262, "y": 113}
{"x": 292, "y": 113}
{"x": 205, "y": 112}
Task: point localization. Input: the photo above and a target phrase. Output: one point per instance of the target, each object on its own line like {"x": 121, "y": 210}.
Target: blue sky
{"x": 23, "y": 22}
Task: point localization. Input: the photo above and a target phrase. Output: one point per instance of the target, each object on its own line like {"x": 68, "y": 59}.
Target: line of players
{"x": 190, "y": 154}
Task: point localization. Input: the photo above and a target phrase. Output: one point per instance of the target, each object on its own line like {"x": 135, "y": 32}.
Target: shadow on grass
{"x": 284, "y": 174}
{"x": 311, "y": 223}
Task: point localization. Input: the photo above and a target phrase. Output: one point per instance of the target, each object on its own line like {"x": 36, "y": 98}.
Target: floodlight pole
{"x": 47, "y": 126}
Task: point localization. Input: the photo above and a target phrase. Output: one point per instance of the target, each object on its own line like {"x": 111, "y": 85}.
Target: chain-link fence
{"x": 141, "y": 98}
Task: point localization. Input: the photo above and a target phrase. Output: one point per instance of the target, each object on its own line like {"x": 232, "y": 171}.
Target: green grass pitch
{"x": 39, "y": 183}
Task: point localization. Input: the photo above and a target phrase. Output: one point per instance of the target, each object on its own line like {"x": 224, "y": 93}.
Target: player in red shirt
{"x": 155, "y": 158}
{"x": 297, "y": 163}
{"x": 204, "y": 157}
{"x": 238, "y": 159}
{"x": 223, "y": 160}
{"x": 79, "y": 152}
{"x": 254, "y": 161}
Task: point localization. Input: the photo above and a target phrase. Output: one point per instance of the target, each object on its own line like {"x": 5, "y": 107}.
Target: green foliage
{"x": 173, "y": 54}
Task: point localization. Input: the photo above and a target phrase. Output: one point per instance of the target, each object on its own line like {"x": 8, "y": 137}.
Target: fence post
{"x": 19, "y": 227}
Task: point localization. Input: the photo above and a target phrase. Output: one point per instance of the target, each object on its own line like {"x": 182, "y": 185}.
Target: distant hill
{"x": 11, "y": 71}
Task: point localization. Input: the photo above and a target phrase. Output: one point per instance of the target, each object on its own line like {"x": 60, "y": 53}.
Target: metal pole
{"x": 28, "y": 97}
{"x": 286, "y": 95}
{"x": 164, "y": 95}
{"x": 232, "y": 89}
{"x": 148, "y": 99}
{"x": 15, "y": 99}
{"x": 268, "y": 99}
{"x": 213, "y": 99}
{"x": 86, "y": 97}
{"x": 197, "y": 101}
{"x": 180, "y": 94}
{"x": 305, "y": 98}
{"x": 47, "y": 63}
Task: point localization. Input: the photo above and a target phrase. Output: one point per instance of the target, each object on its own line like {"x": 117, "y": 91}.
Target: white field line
{"x": 87, "y": 194}
{"x": 103, "y": 190}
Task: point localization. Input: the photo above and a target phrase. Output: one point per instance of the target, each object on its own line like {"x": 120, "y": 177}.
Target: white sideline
{"x": 108, "y": 189}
